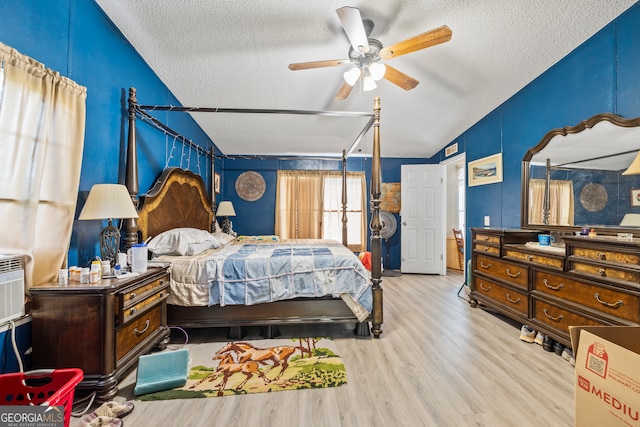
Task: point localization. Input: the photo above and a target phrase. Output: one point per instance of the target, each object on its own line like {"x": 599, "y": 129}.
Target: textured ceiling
{"x": 235, "y": 53}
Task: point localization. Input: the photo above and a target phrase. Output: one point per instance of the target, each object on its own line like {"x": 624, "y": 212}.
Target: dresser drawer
{"x": 487, "y": 238}
{"x": 606, "y": 255}
{"x": 536, "y": 258}
{"x": 515, "y": 274}
{"x": 609, "y": 301}
{"x": 137, "y": 331}
{"x": 606, "y": 272}
{"x": 487, "y": 249}
{"x": 560, "y": 318}
{"x": 508, "y": 297}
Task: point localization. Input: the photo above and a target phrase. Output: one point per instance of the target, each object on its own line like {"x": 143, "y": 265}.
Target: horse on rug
{"x": 227, "y": 367}
{"x": 245, "y": 352}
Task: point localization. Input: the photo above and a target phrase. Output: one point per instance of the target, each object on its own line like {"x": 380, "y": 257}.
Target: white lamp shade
{"x": 352, "y": 76}
{"x": 225, "y": 209}
{"x": 630, "y": 220}
{"x": 107, "y": 201}
{"x": 634, "y": 167}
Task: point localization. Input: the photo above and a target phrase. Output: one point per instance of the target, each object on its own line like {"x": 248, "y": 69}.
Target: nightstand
{"x": 101, "y": 329}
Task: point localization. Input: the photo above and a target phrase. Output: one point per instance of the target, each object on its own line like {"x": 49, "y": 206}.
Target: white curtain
{"x": 42, "y": 122}
{"x": 561, "y": 202}
{"x": 309, "y": 205}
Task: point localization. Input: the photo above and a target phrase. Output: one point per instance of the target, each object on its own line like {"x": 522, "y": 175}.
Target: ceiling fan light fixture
{"x": 377, "y": 71}
{"x": 368, "y": 83}
{"x": 352, "y": 76}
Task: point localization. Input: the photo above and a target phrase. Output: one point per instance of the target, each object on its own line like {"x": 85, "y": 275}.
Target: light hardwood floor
{"x": 439, "y": 362}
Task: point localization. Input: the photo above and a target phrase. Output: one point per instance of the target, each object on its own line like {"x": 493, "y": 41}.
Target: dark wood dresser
{"x": 101, "y": 328}
{"x": 591, "y": 281}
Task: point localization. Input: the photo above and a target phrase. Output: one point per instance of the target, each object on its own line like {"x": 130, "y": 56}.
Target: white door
{"x": 423, "y": 239}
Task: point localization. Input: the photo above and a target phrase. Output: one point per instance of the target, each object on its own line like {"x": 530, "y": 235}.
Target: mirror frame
{"x": 565, "y": 131}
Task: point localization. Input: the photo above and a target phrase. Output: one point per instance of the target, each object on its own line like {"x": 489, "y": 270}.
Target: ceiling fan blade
{"x": 399, "y": 78}
{"x": 318, "y": 64}
{"x": 421, "y": 41}
{"x": 344, "y": 92}
{"x": 354, "y": 28}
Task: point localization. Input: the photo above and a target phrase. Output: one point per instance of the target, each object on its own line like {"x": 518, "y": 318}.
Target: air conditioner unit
{"x": 11, "y": 287}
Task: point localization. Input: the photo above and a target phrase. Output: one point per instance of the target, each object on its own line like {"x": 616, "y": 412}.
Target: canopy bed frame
{"x": 179, "y": 199}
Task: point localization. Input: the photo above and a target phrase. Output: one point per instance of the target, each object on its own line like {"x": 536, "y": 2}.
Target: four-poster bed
{"x": 179, "y": 199}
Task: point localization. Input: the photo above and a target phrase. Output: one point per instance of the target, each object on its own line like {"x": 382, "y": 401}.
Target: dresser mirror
{"x": 573, "y": 178}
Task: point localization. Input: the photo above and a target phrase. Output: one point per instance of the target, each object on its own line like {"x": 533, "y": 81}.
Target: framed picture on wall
{"x": 487, "y": 170}
{"x": 635, "y": 197}
{"x": 216, "y": 183}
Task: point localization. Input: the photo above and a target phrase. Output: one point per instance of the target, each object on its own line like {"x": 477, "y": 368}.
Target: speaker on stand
{"x": 389, "y": 227}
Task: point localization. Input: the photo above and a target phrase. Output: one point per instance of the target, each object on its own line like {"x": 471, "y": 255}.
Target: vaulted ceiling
{"x": 235, "y": 54}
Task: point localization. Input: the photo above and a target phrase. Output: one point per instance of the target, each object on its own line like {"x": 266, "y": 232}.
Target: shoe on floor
{"x": 539, "y": 339}
{"x": 527, "y": 334}
{"x": 101, "y": 421}
{"x": 567, "y": 354}
{"x": 114, "y": 409}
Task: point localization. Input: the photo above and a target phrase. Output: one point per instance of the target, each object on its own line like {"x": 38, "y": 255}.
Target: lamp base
{"x": 109, "y": 243}
{"x": 226, "y": 225}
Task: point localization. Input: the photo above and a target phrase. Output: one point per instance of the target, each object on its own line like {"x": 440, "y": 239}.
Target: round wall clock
{"x": 250, "y": 186}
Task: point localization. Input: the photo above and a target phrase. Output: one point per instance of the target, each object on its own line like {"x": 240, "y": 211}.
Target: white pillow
{"x": 182, "y": 241}
{"x": 223, "y": 238}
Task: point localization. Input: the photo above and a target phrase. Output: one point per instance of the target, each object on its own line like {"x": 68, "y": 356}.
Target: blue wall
{"x": 599, "y": 76}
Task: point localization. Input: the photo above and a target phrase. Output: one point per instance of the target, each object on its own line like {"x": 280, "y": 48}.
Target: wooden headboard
{"x": 177, "y": 199}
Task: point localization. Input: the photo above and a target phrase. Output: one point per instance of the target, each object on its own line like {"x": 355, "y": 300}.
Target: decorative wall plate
{"x": 250, "y": 186}
{"x": 593, "y": 197}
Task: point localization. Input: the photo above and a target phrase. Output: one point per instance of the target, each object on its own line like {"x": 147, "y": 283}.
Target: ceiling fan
{"x": 365, "y": 54}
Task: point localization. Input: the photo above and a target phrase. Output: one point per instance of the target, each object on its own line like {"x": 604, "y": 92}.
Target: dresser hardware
{"x": 132, "y": 295}
{"x": 512, "y": 300}
{"x": 553, "y": 288}
{"x": 530, "y": 258}
{"x": 133, "y": 310}
{"x": 146, "y": 326}
{"x": 486, "y": 249}
{"x": 164, "y": 282}
{"x": 614, "y": 305}
{"x": 484, "y": 288}
{"x": 602, "y": 256}
{"x": 515, "y": 276}
{"x": 602, "y": 272}
{"x": 557, "y": 319}
{"x": 483, "y": 265}
{"x": 161, "y": 294}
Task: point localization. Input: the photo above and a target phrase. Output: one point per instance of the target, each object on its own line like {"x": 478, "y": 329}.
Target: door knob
{"x": 404, "y": 222}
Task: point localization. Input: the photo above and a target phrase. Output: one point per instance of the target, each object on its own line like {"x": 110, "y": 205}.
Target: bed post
{"x": 344, "y": 199}
{"x": 376, "y": 225}
{"x": 130, "y": 226}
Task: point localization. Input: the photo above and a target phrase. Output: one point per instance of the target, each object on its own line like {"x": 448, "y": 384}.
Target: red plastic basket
{"x": 49, "y": 387}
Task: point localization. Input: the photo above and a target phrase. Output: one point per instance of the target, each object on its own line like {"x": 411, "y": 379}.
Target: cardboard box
{"x": 607, "y": 387}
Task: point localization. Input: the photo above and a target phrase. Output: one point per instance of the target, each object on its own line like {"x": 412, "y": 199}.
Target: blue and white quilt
{"x": 251, "y": 274}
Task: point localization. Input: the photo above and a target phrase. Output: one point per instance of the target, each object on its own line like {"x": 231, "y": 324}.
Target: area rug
{"x": 242, "y": 367}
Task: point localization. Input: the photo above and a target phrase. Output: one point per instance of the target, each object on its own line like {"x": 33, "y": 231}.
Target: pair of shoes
{"x": 548, "y": 343}
{"x": 108, "y": 414}
{"x": 539, "y": 338}
{"x": 527, "y": 334}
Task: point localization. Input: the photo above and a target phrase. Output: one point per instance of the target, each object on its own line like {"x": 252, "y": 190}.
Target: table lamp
{"x": 225, "y": 210}
{"x": 630, "y": 220}
{"x": 108, "y": 201}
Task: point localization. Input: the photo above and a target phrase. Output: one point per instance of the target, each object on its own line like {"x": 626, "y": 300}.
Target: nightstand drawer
{"x": 135, "y": 332}
{"x": 138, "y": 299}
{"x": 487, "y": 249}
{"x": 607, "y": 255}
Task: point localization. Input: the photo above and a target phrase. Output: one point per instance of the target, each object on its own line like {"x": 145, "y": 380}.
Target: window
{"x": 309, "y": 206}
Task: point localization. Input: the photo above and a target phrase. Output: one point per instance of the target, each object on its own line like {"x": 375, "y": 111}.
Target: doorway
{"x": 455, "y": 207}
